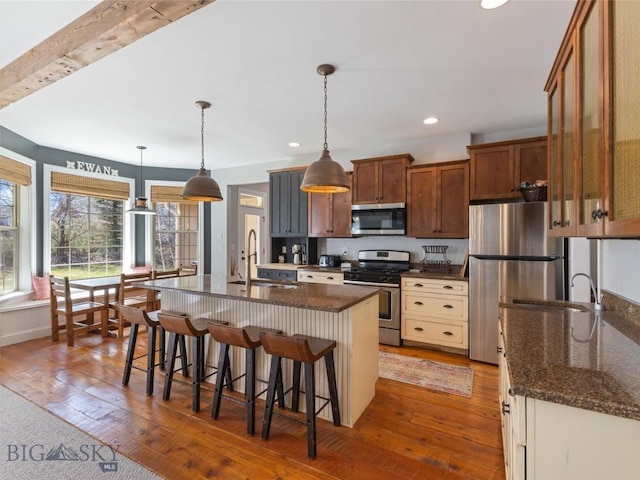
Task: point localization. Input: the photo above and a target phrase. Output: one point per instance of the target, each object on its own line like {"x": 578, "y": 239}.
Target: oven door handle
{"x": 371, "y": 284}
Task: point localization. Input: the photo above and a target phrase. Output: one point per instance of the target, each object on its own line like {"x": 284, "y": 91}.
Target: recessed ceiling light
{"x": 431, "y": 120}
{"x": 491, "y": 4}
{"x": 294, "y": 144}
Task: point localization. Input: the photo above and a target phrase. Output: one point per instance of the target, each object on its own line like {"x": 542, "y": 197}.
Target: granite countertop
{"x": 311, "y": 296}
{"x": 574, "y": 356}
{"x": 452, "y": 274}
{"x": 281, "y": 266}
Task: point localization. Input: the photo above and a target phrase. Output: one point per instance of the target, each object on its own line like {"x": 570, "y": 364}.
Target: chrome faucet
{"x": 598, "y": 304}
{"x": 247, "y": 260}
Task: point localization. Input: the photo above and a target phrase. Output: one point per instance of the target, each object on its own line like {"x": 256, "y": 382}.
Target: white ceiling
{"x": 255, "y": 61}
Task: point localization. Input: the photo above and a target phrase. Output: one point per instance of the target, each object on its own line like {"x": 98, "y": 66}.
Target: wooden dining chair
{"x": 63, "y": 306}
{"x": 158, "y": 275}
{"x": 131, "y": 295}
{"x": 188, "y": 270}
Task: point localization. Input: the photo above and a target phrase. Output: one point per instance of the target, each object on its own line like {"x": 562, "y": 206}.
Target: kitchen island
{"x": 569, "y": 390}
{"x": 346, "y": 314}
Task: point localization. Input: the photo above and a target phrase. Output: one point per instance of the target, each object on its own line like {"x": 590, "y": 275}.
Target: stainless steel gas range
{"x": 382, "y": 268}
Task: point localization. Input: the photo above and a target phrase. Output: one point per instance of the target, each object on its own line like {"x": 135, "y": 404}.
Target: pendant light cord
{"x": 202, "y": 137}
{"x": 142, "y": 149}
{"x": 325, "y": 146}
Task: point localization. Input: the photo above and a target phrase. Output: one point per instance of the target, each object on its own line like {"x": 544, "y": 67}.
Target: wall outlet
{"x": 345, "y": 251}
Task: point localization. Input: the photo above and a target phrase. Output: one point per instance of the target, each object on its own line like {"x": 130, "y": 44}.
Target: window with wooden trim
{"x": 87, "y": 225}
{"x": 8, "y": 237}
{"x": 15, "y": 178}
{"x": 175, "y": 233}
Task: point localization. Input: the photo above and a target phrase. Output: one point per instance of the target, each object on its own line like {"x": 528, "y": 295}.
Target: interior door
{"x": 251, "y": 216}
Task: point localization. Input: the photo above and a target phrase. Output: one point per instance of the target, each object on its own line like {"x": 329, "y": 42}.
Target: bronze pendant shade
{"x": 325, "y": 175}
{"x": 140, "y": 206}
{"x": 202, "y": 188}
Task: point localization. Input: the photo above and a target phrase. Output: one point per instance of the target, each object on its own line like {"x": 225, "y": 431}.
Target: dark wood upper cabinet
{"x": 381, "y": 179}
{"x": 594, "y": 125}
{"x": 438, "y": 200}
{"x": 497, "y": 169}
{"x": 330, "y": 214}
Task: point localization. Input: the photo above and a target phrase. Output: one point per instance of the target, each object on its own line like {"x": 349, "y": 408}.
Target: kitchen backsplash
{"x": 333, "y": 246}
{"x": 621, "y": 267}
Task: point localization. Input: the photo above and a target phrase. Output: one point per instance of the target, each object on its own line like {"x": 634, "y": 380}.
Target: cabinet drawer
{"x": 453, "y": 334}
{"x": 309, "y": 276}
{"x": 451, "y": 287}
{"x": 442, "y": 306}
{"x": 277, "y": 274}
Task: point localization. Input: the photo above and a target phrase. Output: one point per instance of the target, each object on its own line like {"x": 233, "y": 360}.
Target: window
{"x": 87, "y": 235}
{"x": 15, "y": 224}
{"x": 87, "y": 231}
{"x": 175, "y": 235}
{"x": 8, "y": 237}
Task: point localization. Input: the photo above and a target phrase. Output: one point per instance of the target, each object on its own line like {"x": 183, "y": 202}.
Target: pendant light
{"x": 202, "y": 187}
{"x": 140, "y": 207}
{"x": 325, "y": 175}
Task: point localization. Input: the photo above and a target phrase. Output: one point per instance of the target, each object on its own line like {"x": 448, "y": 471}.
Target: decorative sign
{"x": 92, "y": 167}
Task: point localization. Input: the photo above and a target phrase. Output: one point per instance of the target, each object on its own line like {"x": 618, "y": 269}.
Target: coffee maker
{"x": 296, "y": 250}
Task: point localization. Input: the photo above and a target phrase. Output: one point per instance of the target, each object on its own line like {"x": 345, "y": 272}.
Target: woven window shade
{"x": 164, "y": 193}
{"x": 94, "y": 187}
{"x": 14, "y": 171}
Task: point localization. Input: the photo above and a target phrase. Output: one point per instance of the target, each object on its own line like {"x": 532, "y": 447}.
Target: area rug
{"x": 426, "y": 373}
{"x": 37, "y": 445}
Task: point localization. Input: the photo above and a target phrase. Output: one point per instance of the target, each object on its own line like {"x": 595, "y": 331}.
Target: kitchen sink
{"x": 264, "y": 284}
{"x": 549, "y": 305}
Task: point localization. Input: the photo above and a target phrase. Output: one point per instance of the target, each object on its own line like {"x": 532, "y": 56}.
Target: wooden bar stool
{"x": 139, "y": 317}
{"x": 181, "y": 326}
{"x": 248, "y": 338}
{"x": 302, "y": 350}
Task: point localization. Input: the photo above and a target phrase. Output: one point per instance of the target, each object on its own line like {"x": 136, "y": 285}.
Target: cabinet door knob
{"x": 418, "y": 329}
{"x": 447, "y": 287}
{"x": 329, "y": 278}
{"x": 418, "y": 303}
{"x": 447, "y": 306}
{"x": 599, "y": 213}
{"x": 505, "y": 408}
{"x": 448, "y": 334}
{"x": 499, "y": 349}
{"x": 556, "y": 223}
{"x": 418, "y": 285}
{"x": 309, "y": 276}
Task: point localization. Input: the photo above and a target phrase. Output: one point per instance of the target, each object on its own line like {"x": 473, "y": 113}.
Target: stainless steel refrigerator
{"x": 509, "y": 255}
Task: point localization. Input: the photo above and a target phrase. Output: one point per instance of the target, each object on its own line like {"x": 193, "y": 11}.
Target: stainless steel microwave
{"x": 378, "y": 219}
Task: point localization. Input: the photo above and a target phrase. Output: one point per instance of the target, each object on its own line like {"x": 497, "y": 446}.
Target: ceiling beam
{"x": 104, "y": 29}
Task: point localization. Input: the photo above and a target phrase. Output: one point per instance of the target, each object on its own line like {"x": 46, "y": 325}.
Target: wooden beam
{"x": 107, "y": 27}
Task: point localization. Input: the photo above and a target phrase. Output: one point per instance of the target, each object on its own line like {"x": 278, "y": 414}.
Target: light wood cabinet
{"x": 380, "y": 180}
{"x": 316, "y": 276}
{"x": 602, "y": 145}
{"x": 330, "y": 214}
{"x": 497, "y": 169}
{"x": 438, "y": 200}
{"x": 435, "y": 311}
{"x": 288, "y": 204}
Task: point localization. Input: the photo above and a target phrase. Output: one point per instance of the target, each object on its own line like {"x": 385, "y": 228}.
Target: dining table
{"x": 104, "y": 284}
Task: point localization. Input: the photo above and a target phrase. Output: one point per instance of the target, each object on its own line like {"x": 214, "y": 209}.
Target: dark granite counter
{"x": 312, "y": 296}
{"x": 452, "y": 274}
{"x": 568, "y": 353}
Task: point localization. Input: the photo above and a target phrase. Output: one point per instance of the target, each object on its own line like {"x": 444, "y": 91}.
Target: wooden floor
{"x": 407, "y": 432}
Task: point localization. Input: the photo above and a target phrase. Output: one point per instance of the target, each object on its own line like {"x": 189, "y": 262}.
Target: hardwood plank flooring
{"x": 407, "y": 432}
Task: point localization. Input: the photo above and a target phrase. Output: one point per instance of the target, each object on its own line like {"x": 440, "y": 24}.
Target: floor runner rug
{"x": 426, "y": 373}
{"x": 37, "y": 445}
